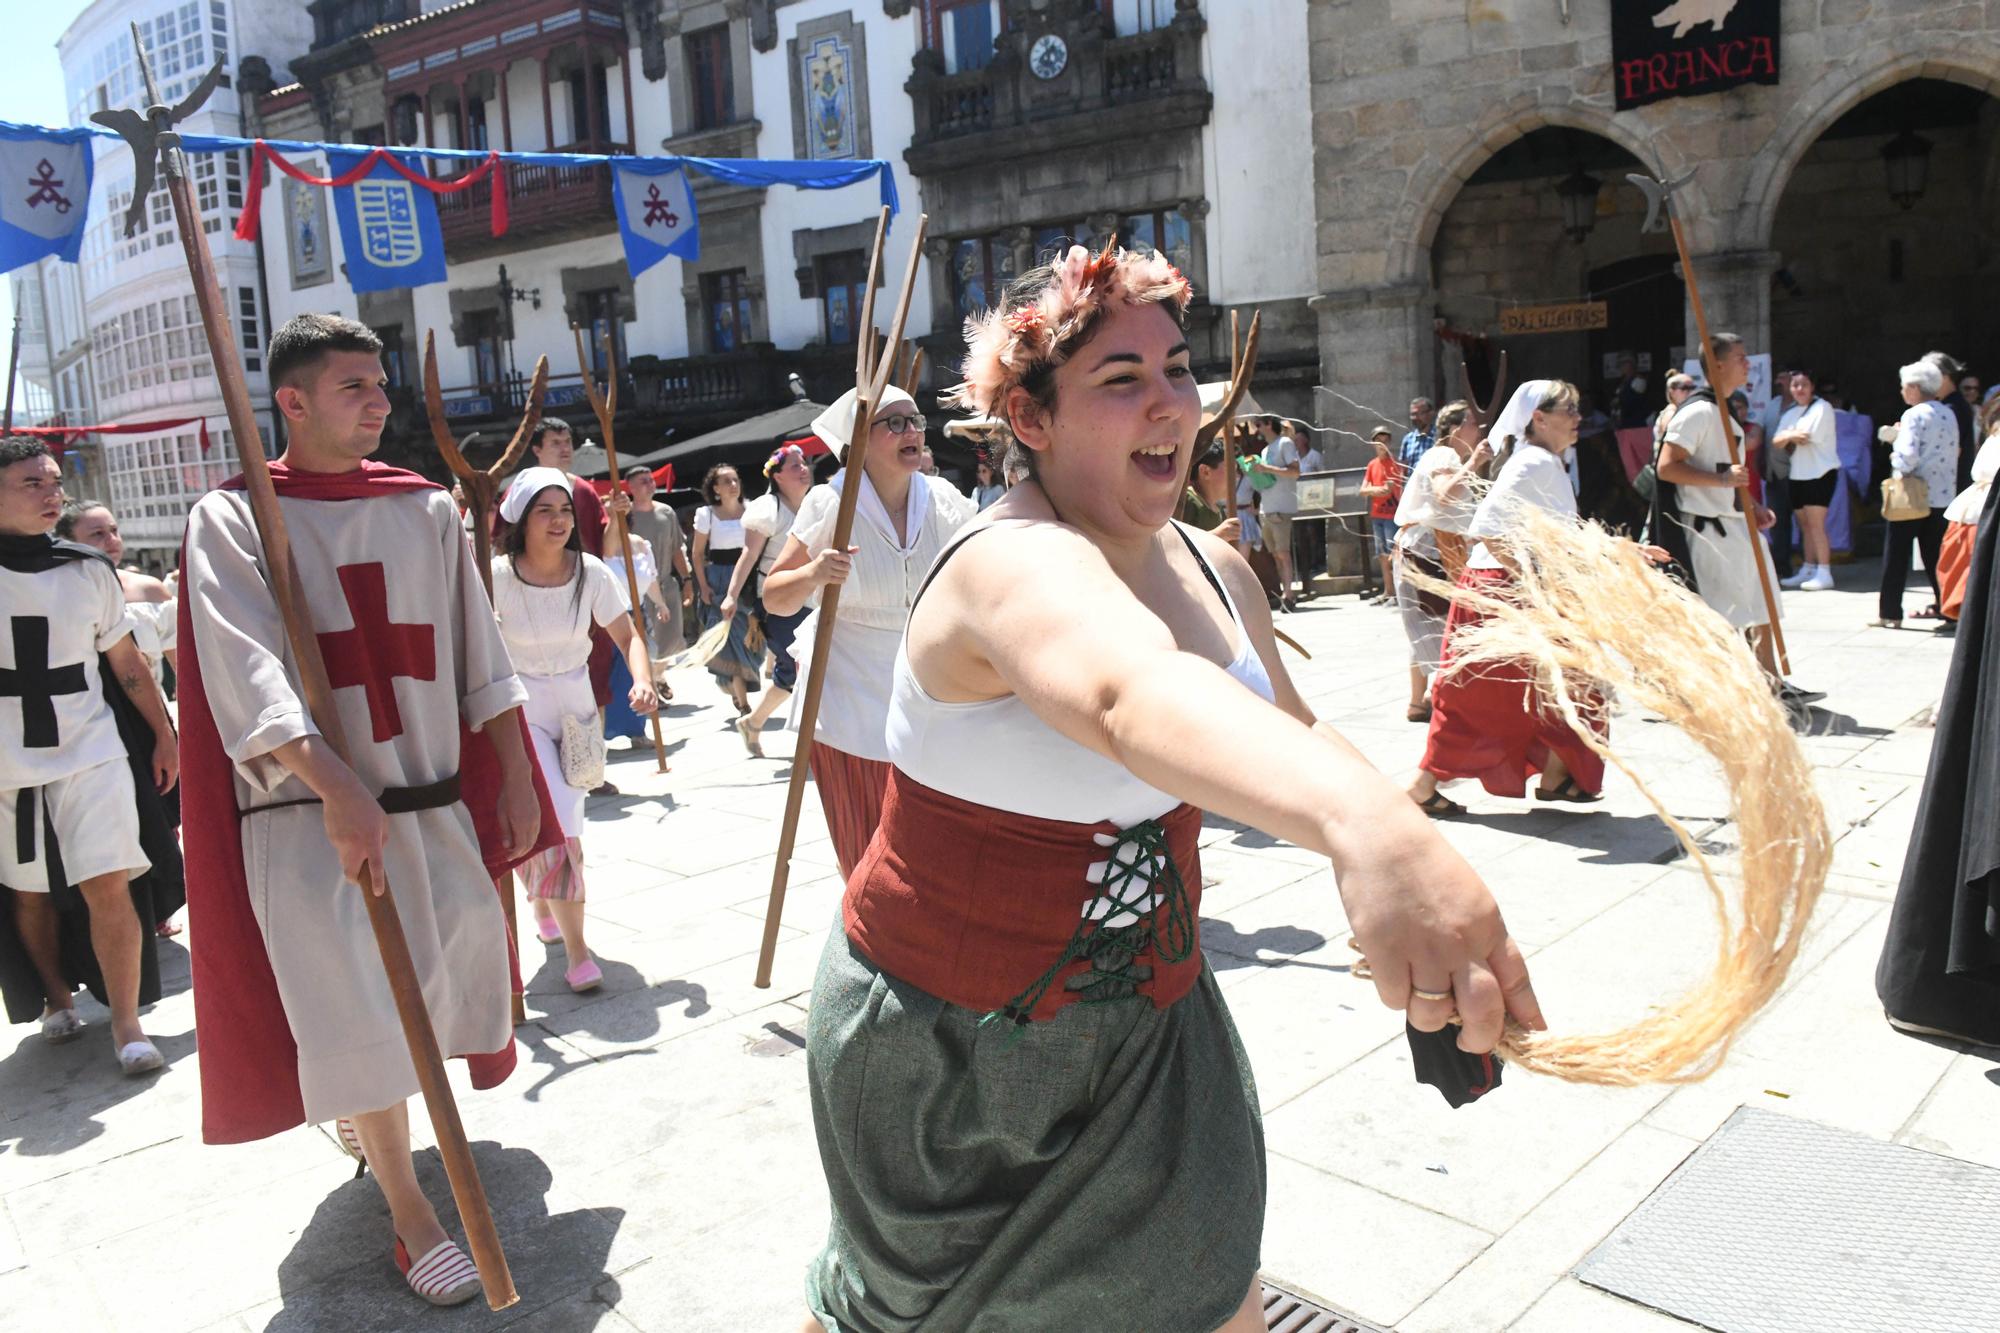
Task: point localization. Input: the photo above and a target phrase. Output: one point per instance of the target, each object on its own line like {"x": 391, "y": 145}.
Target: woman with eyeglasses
{"x": 718, "y": 543}
{"x": 902, "y": 519}
{"x": 767, "y": 521}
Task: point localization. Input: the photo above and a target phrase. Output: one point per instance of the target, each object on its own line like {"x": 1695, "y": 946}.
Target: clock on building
{"x": 1049, "y": 56}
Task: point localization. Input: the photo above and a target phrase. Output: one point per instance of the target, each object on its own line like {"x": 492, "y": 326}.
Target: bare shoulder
{"x": 1229, "y": 565}
{"x": 143, "y": 587}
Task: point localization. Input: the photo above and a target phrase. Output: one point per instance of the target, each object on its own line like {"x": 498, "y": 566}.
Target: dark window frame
{"x": 711, "y": 77}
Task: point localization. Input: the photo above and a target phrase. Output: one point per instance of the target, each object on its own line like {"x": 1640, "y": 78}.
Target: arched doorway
{"x": 1886, "y": 242}
{"x": 1547, "y": 224}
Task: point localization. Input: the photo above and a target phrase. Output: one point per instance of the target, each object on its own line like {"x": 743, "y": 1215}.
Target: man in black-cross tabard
{"x": 67, "y": 812}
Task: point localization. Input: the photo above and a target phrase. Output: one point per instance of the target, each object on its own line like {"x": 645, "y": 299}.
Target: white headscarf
{"x": 527, "y": 484}
{"x": 836, "y": 424}
{"x": 1520, "y": 410}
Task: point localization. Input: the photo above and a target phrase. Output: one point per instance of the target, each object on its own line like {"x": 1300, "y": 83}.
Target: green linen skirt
{"x": 1102, "y": 1171}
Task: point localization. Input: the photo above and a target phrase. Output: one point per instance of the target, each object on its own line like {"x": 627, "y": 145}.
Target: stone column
{"x": 1371, "y": 342}
{"x": 1735, "y": 295}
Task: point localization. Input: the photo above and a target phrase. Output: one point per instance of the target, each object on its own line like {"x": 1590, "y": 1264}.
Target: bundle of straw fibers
{"x": 1587, "y": 608}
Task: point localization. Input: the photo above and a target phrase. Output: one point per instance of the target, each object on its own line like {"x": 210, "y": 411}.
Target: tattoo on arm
{"x": 134, "y": 683}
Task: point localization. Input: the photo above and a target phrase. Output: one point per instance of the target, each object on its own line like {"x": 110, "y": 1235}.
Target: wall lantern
{"x": 1578, "y": 193}
{"x": 1907, "y": 159}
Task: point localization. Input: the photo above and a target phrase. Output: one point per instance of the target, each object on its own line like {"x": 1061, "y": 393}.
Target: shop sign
{"x": 1686, "y": 48}
{"x": 1576, "y": 317}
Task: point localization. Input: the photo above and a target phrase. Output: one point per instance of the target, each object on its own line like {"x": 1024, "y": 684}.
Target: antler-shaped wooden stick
{"x": 1242, "y": 367}
{"x": 480, "y": 488}
{"x": 604, "y": 405}
{"x": 871, "y": 376}
{"x": 912, "y": 372}
{"x": 1484, "y": 414}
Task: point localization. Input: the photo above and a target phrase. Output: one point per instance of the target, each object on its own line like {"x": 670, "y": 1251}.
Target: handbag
{"x": 1905, "y": 498}
{"x": 582, "y": 753}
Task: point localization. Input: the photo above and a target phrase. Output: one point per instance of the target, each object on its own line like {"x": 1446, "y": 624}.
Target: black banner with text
{"x": 1685, "y": 48}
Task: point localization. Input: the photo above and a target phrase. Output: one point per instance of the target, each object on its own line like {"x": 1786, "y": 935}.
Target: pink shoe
{"x": 550, "y": 932}
{"x": 585, "y": 976}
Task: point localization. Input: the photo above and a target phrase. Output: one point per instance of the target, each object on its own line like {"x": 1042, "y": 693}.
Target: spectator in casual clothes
{"x": 1805, "y": 434}
{"x": 1628, "y": 396}
{"x": 1924, "y": 446}
{"x": 1420, "y": 439}
{"x": 1382, "y": 483}
{"x": 1963, "y": 412}
{"x": 1280, "y": 461}
{"x": 1308, "y": 538}
{"x": 1961, "y": 525}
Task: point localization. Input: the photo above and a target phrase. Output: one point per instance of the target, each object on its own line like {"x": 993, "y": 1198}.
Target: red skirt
{"x": 1954, "y": 564}
{"x": 850, "y": 792}
{"x": 1486, "y": 723}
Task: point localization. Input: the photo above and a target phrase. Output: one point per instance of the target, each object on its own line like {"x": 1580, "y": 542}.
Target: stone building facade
{"x": 1423, "y": 219}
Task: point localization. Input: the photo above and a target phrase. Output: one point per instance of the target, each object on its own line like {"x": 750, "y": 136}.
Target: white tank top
{"x": 997, "y": 753}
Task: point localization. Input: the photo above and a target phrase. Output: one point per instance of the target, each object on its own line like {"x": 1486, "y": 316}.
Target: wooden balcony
{"x": 544, "y": 205}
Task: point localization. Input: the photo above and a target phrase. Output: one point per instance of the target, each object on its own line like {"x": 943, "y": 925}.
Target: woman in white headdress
{"x": 548, "y": 593}
{"x": 901, "y": 521}
{"x": 1479, "y": 727}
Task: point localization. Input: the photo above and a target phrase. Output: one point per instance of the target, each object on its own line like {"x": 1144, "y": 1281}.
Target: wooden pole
{"x": 1749, "y": 505}
{"x": 290, "y": 595}
{"x": 481, "y": 487}
{"x": 13, "y": 371}
{"x": 605, "y": 405}
{"x": 871, "y": 376}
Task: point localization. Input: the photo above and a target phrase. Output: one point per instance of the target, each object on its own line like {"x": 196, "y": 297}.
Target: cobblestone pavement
{"x": 652, "y": 1163}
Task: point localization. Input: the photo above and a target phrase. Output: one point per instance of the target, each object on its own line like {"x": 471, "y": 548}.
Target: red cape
{"x": 249, "y": 1063}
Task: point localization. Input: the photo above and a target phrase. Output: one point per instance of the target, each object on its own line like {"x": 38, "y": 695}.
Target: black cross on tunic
{"x": 36, "y": 684}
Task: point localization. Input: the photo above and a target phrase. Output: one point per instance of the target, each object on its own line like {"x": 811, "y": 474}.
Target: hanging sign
{"x": 655, "y": 213}
{"x": 1575, "y": 317}
{"x": 44, "y": 194}
{"x": 1685, "y": 48}
{"x": 389, "y": 230}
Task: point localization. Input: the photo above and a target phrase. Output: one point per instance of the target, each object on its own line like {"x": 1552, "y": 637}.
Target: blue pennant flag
{"x": 44, "y": 194}
{"x": 655, "y": 212}
{"x": 388, "y": 225}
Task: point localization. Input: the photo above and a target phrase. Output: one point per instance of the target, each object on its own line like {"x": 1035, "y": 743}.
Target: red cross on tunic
{"x": 376, "y": 650}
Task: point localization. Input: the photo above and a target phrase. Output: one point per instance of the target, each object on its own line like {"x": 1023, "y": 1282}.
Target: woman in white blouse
{"x": 548, "y": 592}
{"x": 718, "y": 543}
{"x": 1923, "y": 445}
{"x": 1806, "y": 432}
{"x": 1961, "y": 517}
{"x": 901, "y": 521}
{"x": 1439, "y": 497}
{"x": 767, "y": 521}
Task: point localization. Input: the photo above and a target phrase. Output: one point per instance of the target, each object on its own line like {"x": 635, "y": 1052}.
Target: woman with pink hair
{"x": 1032, "y": 1107}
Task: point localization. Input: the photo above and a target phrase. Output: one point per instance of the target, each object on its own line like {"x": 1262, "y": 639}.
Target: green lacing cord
{"x": 1167, "y": 928}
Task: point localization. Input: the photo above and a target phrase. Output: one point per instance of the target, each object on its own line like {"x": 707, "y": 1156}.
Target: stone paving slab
{"x": 653, "y": 1162}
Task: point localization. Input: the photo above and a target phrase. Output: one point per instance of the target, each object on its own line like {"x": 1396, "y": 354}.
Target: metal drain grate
{"x": 1289, "y": 1312}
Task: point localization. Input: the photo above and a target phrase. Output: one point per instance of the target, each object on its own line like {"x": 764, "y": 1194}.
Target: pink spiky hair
{"x": 1005, "y": 345}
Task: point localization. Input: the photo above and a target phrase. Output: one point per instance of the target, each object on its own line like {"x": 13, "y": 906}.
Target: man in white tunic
{"x": 1727, "y": 551}
{"x": 411, "y": 648}
{"x": 67, "y": 811}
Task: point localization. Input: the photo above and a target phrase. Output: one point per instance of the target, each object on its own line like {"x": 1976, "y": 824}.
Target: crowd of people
{"x": 1064, "y": 667}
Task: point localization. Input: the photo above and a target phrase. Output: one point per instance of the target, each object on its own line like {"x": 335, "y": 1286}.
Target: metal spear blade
{"x": 152, "y": 133}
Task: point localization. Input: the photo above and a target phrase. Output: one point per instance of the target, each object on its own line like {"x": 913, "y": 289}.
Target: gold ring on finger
{"x": 1418, "y": 992}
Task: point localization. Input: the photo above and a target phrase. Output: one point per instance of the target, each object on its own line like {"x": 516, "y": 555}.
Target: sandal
{"x": 444, "y": 1276}
{"x": 1885, "y": 624}
{"x": 60, "y": 1026}
{"x": 350, "y": 1142}
{"x": 585, "y": 976}
{"x": 751, "y": 740}
{"x": 1422, "y": 714}
{"x": 1930, "y": 612}
{"x": 1439, "y": 806}
{"x": 1567, "y": 790}
{"x": 166, "y": 930}
{"x": 140, "y": 1057}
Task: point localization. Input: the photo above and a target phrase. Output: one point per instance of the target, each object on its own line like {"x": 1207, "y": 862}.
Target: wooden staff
{"x": 871, "y": 377}
{"x": 605, "y": 404}
{"x": 481, "y": 488}
{"x": 13, "y": 369}
{"x": 1484, "y": 413}
{"x": 155, "y": 132}
{"x": 1242, "y": 365}
{"x": 1661, "y": 193}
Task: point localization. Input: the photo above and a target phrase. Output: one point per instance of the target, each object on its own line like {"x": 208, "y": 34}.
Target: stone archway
{"x": 1938, "y": 56}
{"x": 1865, "y": 282}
